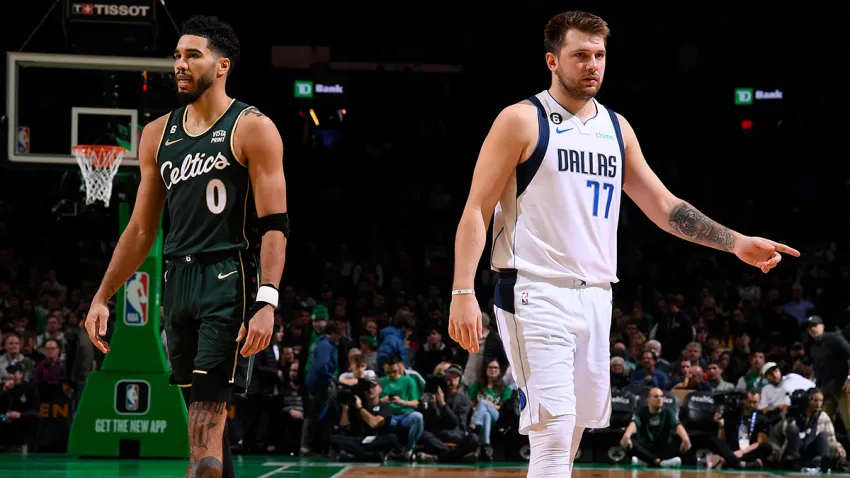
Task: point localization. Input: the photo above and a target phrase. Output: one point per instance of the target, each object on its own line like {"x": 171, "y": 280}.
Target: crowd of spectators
{"x": 362, "y": 366}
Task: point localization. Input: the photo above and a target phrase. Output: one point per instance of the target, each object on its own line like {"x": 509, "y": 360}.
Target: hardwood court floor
{"x": 55, "y": 466}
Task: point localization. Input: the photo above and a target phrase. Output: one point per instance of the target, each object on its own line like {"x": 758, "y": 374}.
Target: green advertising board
{"x": 128, "y": 406}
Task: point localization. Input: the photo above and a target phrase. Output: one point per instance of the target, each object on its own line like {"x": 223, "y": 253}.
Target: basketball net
{"x": 98, "y": 165}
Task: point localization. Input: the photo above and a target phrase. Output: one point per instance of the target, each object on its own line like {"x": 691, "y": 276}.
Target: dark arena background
{"x": 382, "y": 110}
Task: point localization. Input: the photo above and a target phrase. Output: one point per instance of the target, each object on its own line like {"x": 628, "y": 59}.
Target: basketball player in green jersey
{"x": 207, "y": 159}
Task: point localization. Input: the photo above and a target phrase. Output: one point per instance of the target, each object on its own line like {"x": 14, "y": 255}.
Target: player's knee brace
{"x": 551, "y": 445}
{"x": 211, "y": 385}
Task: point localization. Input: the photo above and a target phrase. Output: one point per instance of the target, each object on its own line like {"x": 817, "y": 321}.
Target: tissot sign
{"x": 309, "y": 89}
{"x": 112, "y": 11}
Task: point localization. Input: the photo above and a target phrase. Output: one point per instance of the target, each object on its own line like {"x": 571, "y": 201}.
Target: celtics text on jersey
{"x": 208, "y": 188}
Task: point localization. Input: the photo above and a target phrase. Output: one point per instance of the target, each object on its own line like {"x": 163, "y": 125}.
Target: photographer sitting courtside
{"x": 365, "y": 424}
{"x": 446, "y": 410}
{"x": 809, "y": 434}
{"x": 655, "y": 425}
{"x": 742, "y": 435}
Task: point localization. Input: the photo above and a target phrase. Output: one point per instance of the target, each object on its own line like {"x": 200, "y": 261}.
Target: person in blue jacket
{"x": 319, "y": 377}
{"x": 392, "y": 342}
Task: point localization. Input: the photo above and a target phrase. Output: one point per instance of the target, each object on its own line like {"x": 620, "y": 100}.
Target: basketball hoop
{"x": 98, "y": 165}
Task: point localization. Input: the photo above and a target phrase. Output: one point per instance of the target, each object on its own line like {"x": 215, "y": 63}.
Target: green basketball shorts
{"x": 205, "y": 300}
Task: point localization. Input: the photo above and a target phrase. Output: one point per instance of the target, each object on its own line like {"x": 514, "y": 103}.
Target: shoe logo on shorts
{"x": 522, "y": 400}
{"x": 224, "y": 276}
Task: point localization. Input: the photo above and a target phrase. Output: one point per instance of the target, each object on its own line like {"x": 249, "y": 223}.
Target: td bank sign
{"x": 745, "y": 96}
{"x": 306, "y": 89}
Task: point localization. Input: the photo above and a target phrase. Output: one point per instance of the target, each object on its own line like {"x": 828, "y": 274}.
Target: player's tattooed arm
{"x": 252, "y": 110}
{"x": 688, "y": 223}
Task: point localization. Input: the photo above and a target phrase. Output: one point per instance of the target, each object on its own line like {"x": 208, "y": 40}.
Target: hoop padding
{"x": 98, "y": 165}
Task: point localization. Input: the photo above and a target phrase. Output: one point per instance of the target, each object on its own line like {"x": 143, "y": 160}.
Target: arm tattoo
{"x": 696, "y": 227}
{"x": 203, "y": 417}
{"x": 207, "y": 467}
{"x": 252, "y": 110}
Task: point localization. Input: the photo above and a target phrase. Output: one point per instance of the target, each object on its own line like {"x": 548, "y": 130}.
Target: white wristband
{"x": 268, "y": 294}
{"x": 463, "y": 291}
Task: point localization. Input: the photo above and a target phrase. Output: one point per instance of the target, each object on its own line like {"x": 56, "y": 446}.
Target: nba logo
{"x": 525, "y": 298}
{"x": 132, "y": 397}
{"x": 23, "y": 140}
{"x": 136, "y": 299}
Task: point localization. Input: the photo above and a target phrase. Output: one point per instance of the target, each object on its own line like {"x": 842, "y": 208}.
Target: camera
{"x": 800, "y": 400}
{"x": 433, "y": 382}
{"x": 345, "y": 393}
{"x": 732, "y": 402}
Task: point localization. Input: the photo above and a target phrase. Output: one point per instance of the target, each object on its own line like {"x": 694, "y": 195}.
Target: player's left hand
{"x": 761, "y": 253}
{"x": 259, "y": 331}
{"x": 465, "y": 326}
{"x": 686, "y": 445}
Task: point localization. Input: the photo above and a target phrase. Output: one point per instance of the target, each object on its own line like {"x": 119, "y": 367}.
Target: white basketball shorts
{"x": 556, "y": 336}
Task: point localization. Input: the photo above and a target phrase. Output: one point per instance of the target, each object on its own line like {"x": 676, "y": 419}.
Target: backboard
{"x": 57, "y": 101}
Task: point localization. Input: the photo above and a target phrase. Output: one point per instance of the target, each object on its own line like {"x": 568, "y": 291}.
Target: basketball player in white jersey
{"x": 552, "y": 170}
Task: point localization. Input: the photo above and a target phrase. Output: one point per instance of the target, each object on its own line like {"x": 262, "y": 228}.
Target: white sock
{"x": 671, "y": 462}
{"x": 551, "y": 444}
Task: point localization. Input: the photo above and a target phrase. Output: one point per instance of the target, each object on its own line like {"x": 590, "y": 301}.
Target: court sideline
{"x": 45, "y": 465}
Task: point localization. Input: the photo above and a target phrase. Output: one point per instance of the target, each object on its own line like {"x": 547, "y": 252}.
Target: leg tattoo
{"x": 206, "y": 430}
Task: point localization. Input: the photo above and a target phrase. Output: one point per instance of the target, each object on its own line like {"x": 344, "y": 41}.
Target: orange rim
{"x": 102, "y": 155}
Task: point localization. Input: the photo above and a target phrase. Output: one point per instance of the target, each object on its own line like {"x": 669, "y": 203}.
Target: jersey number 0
{"x": 216, "y": 196}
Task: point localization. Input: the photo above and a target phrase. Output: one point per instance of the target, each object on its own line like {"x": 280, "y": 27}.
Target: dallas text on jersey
{"x": 584, "y": 162}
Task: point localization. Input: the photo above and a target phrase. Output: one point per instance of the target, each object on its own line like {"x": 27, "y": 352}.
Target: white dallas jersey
{"x": 558, "y": 215}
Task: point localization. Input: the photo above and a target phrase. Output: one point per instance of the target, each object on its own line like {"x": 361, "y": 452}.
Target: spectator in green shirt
{"x": 655, "y": 425}
{"x": 753, "y": 378}
{"x": 487, "y": 395}
{"x": 399, "y": 390}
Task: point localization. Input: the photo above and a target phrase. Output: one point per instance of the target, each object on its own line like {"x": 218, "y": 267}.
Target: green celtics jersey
{"x": 208, "y": 188}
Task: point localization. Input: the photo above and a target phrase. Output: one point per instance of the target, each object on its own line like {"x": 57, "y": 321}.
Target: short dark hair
{"x": 392, "y": 359}
{"x": 555, "y": 33}
{"x": 58, "y": 345}
{"x": 222, "y": 40}
{"x": 358, "y": 359}
{"x": 402, "y": 322}
{"x": 334, "y": 327}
